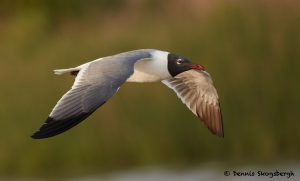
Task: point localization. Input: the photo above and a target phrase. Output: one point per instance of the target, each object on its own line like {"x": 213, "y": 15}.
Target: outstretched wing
{"x": 196, "y": 90}
{"x": 96, "y": 82}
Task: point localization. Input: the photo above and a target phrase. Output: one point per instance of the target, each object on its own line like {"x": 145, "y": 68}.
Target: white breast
{"x": 151, "y": 70}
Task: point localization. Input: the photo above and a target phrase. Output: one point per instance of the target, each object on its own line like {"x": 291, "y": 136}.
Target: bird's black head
{"x": 178, "y": 64}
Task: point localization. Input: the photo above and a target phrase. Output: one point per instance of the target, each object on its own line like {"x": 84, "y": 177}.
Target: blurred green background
{"x": 251, "y": 48}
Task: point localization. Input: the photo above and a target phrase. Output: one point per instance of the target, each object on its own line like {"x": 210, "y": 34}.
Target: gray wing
{"x": 196, "y": 90}
{"x": 96, "y": 82}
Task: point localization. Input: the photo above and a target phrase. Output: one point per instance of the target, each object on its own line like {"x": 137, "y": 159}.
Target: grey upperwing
{"x": 96, "y": 83}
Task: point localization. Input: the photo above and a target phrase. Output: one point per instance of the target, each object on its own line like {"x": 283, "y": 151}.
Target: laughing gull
{"x": 97, "y": 81}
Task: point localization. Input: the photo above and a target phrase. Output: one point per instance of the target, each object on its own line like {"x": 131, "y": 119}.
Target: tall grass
{"x": 251, "y": 49}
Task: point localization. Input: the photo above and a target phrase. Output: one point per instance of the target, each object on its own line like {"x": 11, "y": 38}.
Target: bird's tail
{"x": 63, "y": 71}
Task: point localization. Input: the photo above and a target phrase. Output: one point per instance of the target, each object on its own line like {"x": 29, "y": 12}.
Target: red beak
{"x": 197, "y": 67}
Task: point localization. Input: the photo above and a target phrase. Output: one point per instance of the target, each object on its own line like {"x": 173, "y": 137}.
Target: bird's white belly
{"x": 152, "y": 70}
{"x": 139, "y": 76}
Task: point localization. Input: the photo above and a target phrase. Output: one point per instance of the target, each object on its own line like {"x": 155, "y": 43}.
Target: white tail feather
{"x": 63, "y": 71}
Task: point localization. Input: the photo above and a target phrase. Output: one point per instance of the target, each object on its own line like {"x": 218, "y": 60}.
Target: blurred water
{"x": 193, "y": 174}
{"x": 196, "y": 174}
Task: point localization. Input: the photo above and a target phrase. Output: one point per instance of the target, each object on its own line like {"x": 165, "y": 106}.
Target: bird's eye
{"x": 179, "y": 61}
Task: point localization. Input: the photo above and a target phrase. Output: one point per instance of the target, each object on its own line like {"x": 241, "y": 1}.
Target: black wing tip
{"x": 53, "y": 127}
{"x": 39, "y": 134}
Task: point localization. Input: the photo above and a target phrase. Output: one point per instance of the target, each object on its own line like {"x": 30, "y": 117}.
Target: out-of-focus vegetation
{"x": 251, "y": 48}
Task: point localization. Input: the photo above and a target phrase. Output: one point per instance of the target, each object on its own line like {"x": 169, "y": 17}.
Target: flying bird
{"x": 97, "y": 81}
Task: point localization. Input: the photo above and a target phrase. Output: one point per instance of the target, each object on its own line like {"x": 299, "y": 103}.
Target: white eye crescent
{"x": 179, "y": 61}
